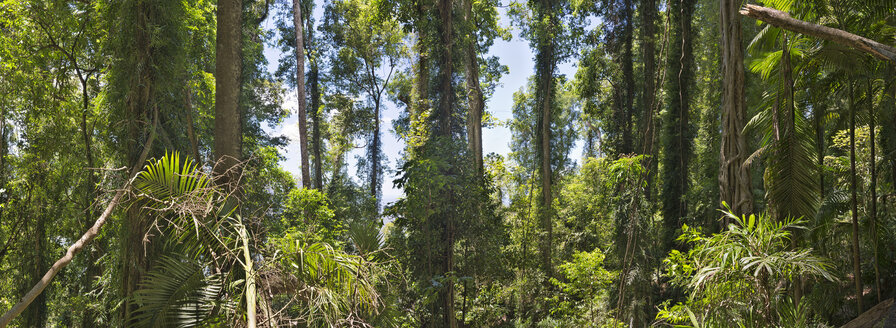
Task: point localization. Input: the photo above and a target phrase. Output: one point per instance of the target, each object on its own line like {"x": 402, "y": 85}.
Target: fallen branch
{"x": 82, "y": 242}
{"x": 783, "y": 20}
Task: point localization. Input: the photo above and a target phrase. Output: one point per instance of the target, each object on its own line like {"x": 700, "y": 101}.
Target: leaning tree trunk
{"x": 783, "y": 20}
{"x": 300, "y": 85}
{"x": 734, "y": 175}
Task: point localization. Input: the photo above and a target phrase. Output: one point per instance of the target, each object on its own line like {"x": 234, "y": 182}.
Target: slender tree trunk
{"x": 893, "y": 126}
{"x": 628, "y": 77}
{"x": 818, "y": 115}
{"x": 474, "y": 91}
{"x": 191, "y": 134}
{"x": 421, "y": 103}
{"x": 374, "y": 154}
{"x": 300, "y": 85}
{"x": 734, "y": 176}
{"x": 317, "y": 116}
{"x": 648, "y": 97}
{"x": 228, "y": 123}
{"x": 873, "y": 166}
{"x": 93, "y": 270}
{"x": 248, "y": 268}
{"x": 856, "y": 256}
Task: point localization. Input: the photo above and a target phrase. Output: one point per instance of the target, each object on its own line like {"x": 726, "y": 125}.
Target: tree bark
{"x": 228, "y": 123}
{"x": 248, "y": 268}
{"x": 544, "y": 71}
{"x": 446, "y": 88}
{"x": 856, "y": 255}
{"x": 783, "y": 20}
{"x": 474, "y": 91}
{"x": 446, "y": 129}
{"x": 300, "y": 85}
{"x": 734, "y": 176}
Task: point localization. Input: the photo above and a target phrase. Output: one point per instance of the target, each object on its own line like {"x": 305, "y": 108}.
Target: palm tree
{"x": 742, "y": 271}
{"x": 208, "y": 273}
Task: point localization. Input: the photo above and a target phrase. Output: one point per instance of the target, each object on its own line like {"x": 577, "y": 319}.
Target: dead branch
{"x": 783, "y": 20}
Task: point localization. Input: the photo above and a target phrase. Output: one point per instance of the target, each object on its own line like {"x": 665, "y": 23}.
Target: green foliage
{"x": 742, "y": 274}
{"x": 307, "y": 212}
{"x": 83, "y": 84}
{"x": 584, "y": 279}
{"x": 177, "y": 293}
{"x": 331, "y": 288}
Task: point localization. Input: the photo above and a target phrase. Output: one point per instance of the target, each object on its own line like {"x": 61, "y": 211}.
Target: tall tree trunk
{"x": 374, "y": 154}
{"x": 421, "y": 94}
{"x": 545, "y": 63}
{"x": 677, "y": 127}
{"x": 873, "y": 166}
{"x": 734, "y": 176}
{"x": 300, "y": 85}
{"x": 446, "y": 129}
{"x": 446, "y": 85}
{"x": 228, "y": 123}
{"x": 474, "y": 90}
{"x": 316, "y": 115}
{"x": 628, "y": 77}
{"x": 818, "y": 111}
{"x": 856, "y": 256}
{"x": 648, "y": 97}
{"x": 140, "y": 107}
{"x": 92, "y": 271}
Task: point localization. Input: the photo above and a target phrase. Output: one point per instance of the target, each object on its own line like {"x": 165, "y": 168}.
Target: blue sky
{"x": 515, "y": 54}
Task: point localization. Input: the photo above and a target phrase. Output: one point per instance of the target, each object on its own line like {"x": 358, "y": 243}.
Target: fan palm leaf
{"x": 177, "y": 292}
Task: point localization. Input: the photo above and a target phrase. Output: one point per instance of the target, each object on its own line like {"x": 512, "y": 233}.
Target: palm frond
{"x": 176, "y": 293}
{"x": 366, "y": 237}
